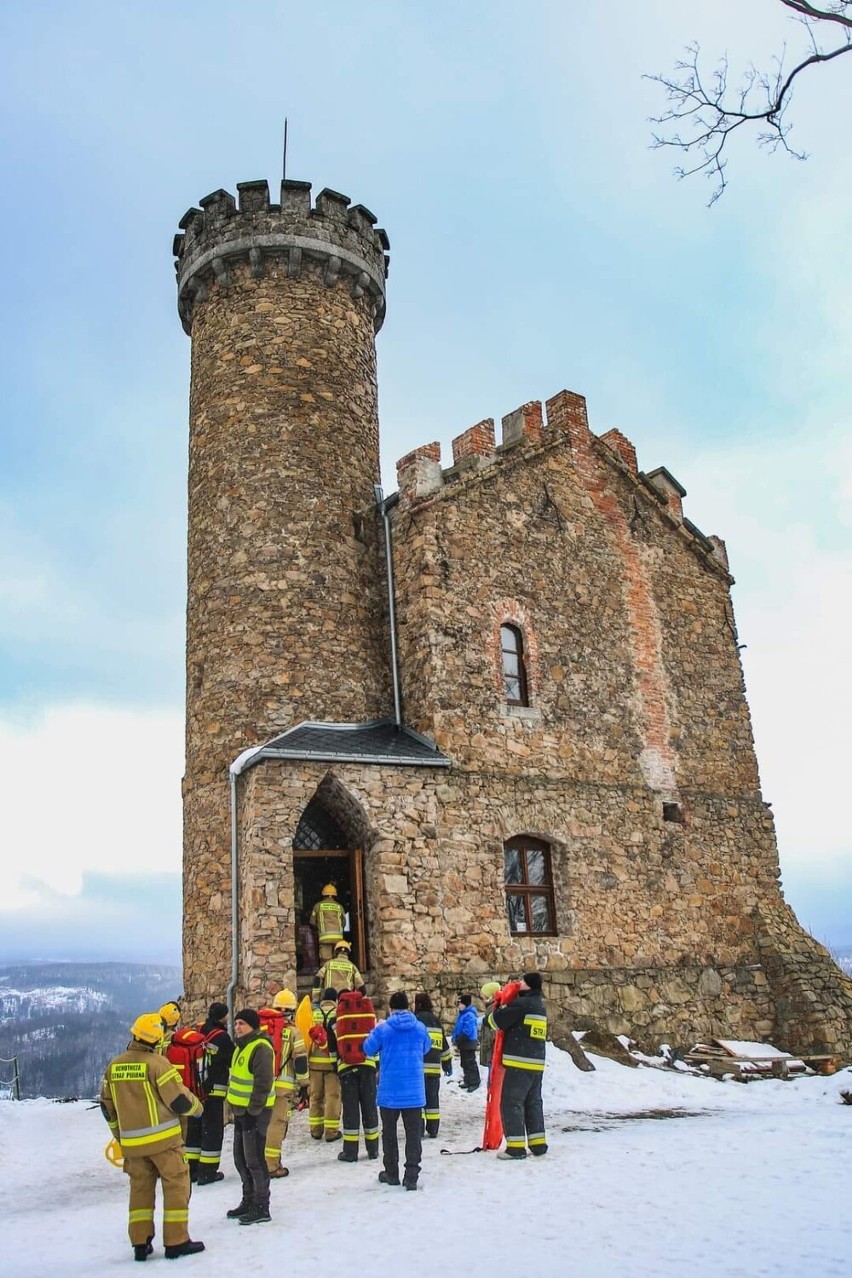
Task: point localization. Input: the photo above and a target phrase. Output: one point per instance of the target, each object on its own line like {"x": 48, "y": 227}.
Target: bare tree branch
{"x": 712, "y": 111}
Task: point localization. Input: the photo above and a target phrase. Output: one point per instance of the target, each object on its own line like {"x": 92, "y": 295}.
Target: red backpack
{"x": 356, "y": 1017}
{"x": 188, "y": 1053}
{"x": 272, "y": 1024}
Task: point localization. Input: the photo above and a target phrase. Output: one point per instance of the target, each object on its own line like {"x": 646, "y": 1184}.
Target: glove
{"x": 249, "y": 1122}
{"x": 448, "y": 1069}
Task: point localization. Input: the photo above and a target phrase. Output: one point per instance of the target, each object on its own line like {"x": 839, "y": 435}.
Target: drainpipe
{"x": 382, "y": 507}
{"x": 240, "y": 763}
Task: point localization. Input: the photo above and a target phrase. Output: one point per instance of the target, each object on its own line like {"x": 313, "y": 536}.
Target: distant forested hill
{"x": 65, "y": 1020}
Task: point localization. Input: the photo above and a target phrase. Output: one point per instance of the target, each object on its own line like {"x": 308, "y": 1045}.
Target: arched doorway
{"x": 328, "y": 848}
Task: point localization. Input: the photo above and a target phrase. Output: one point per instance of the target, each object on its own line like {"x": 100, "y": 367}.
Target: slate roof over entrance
{"x": 380, "y": 741}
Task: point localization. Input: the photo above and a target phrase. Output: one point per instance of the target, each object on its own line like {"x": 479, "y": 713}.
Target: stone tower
{"x": 284, "y": 615}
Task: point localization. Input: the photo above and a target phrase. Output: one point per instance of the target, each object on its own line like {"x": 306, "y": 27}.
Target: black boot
{"x": 240, "y": 1209}
{"x": 209, "y": 1177}
{"x": 255, "y": 1216}
{"x": 188, "y": 1248}
{"x": 387, "y": 1179}
{"x": 141, "y": 1251}
{"x": 344, "y": 1157}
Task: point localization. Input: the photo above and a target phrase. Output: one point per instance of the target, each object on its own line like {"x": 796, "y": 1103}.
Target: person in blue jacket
{"x": 464, "y": 1038}
{"x": 400, "y": 1042}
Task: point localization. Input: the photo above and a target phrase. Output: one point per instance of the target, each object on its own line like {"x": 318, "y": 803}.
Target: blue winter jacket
{"x": 400, "y": 1042}
{"x": 466, "y": 1026}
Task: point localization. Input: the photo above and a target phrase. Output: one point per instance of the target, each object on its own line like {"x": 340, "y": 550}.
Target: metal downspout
{"x": 235, "y": 900}
{"x": 383, "y": 511}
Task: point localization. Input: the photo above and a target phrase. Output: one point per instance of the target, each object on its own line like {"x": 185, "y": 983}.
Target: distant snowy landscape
{"x": 651, "y": 1173}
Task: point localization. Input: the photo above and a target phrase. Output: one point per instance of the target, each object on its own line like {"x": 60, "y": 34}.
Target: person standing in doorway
{"x": 339, "y": 973}
{"x": 329, "y": 918}
{"x": 401, "y": 1042}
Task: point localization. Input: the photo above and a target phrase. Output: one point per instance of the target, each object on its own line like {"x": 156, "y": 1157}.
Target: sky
{"x": 746, "y": 1181}
{"x": 538, "y": 242}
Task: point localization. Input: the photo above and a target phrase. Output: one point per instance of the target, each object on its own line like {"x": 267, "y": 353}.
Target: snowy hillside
{"x": 650, "y": 1174}
{"x": 64, "y": 1020}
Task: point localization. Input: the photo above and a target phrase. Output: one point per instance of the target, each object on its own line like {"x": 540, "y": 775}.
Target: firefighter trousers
{"x": 144, "y": 1170}
{"x": 432, "y": 1112}
{"x": 358, "y": 1098}
{"x": 249, "y": 1158}
{"x": 204, "y": 1135}
{"x": 522, "y": 1112}
{"x": 324, "y": 1114}
{"x": 277, "y": 1132}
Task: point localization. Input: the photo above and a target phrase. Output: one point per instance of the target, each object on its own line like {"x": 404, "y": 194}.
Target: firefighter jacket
{"x": 440, "y": 1057}
{"x": 143, "y": 1100}
{"x": 337, "y": 974}
{"x": 322, "y": 1040}
{"x": 524, "y": 1026}
{"x": 356, "y": 1017}
{"x": 218, "y": 1051}
{"x": 328, "y": 917}
{"x": 251, "y": 1082}
{"x": 294, "y": 1061}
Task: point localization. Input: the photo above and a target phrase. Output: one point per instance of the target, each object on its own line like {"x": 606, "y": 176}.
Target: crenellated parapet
{"x": 340, "y": 238}
{"x": 525, "y": 432}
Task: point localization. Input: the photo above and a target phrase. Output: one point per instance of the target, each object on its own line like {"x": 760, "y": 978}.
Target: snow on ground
{"x": 745, "y": 1180}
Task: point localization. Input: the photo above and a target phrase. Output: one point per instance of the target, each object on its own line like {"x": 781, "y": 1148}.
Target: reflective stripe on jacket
{"x": 337, "y": 974}
{"x": 440, "y": 1053}
{"x": 323, "y": 1056}
{"x": 294, "y": 1061}
{"x": 328, "y": 918}
{"x": 251, "y": 1083}
{"x": 524, "y": 1026}
{"x": 138, "y": 1093}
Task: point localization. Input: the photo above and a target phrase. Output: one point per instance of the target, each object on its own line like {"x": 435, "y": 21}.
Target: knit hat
{"x": 398, "y": 1001}
{"x": 532, "y": 979}
{"x": 465, "y": 999}
{"x": 217, "y": 1011}
{"x": 489, "y": 989}
{"x": 250, "y": 1016}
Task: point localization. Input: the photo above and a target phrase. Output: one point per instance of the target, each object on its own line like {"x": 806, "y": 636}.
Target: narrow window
{"x": 514, "y": 669}
{"x": 529, "y": 887}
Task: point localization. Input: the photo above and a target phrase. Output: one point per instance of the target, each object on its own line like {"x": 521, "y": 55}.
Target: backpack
{"x": 356, "y": 1017}
{"x": 272, "y": 1025}
{"x": 188, "y": 1053}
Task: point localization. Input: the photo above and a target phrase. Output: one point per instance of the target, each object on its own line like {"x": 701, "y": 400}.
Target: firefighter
{"x": 251, "y": 1095}
{"x": 439, "y": 1058}
{"x": 324, "y": 1112}
{"x": 519, "y": 1012}
{"x": 329, "y": 918}
{"x": 292, "y": 1074}
{"x": 339, "y": 973}
{"x": 169, "y": 1014}
{"x": 356, "y": 1073}
{"x": 206, "y": 1133}
{"x": 143, "y": 1100}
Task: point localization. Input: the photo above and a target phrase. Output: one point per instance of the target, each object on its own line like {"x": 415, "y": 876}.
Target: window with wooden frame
{"x": 514, "y": 666}
{"x": 528, "y": 881}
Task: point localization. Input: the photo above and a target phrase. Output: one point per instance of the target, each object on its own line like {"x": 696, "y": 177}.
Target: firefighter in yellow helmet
{"x": 169, "y": 1014}
{"x": 143, "y": 1100}
{"x": 339, "y": 973}
{"x": 291, "y": 1059}
{"x": 329, "y": 918}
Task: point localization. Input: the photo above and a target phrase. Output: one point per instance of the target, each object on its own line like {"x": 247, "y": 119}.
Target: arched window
{"x": 514, "y": 667}
{"x": 529, "y": 887}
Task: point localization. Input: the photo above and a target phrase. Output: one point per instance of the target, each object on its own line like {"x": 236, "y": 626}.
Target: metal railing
{"x": 10, "y": 1089}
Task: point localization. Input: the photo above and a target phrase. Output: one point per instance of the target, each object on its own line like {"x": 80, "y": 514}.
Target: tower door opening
{"x": 312, "y": 871}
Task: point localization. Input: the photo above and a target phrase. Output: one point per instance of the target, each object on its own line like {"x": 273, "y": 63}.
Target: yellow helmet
{"x": 285, "y": 1000}
{"x": 170, "y": 1013}
{"x": 342, "y": 945}
{"x": 329, "y": 890}
{"x": 148, "y": 1028}
{"x": 489, "y": 989}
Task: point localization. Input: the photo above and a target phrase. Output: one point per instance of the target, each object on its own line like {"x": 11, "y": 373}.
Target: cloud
{"x": 134, "y": 918}
{"x": 90, "y": 790}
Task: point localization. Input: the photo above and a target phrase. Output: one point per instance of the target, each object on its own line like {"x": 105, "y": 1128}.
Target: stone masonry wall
{"x": 285, "y": 595}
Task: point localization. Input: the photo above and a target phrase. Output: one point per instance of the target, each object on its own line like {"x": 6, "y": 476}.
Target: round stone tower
{"x": 284, "y": 613}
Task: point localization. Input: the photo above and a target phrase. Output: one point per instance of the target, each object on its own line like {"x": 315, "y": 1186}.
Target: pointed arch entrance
{"x": 328, "y": 847}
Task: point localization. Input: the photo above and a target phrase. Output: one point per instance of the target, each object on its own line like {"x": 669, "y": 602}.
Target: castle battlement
{"x": 421, "y": 475}
{"x": 340, "y": 237}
